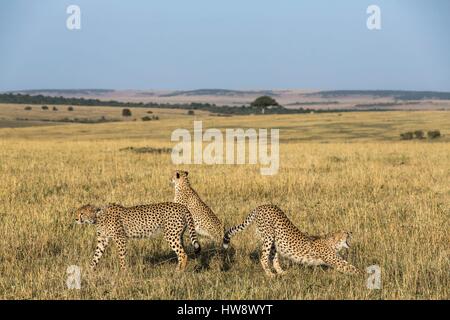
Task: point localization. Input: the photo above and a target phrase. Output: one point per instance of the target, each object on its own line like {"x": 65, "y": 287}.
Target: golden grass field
{"x": 347, "y": 171}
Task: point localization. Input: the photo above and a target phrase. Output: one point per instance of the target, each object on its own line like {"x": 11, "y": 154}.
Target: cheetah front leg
{"x": 102, "y": 243}
{"x": 342, "y": 266}
{"x": 265, "y": 255}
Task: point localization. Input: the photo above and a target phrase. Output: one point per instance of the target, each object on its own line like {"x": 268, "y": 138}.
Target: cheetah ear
{"x": 97, "y": 211}
{"x": 178, "y": 175}
{"x": 186, "y": 173}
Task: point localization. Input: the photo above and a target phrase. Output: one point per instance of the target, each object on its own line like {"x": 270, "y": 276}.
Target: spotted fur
{"x": 280, "y": 237}
{"x": 206, "y": 222}
{"x": 121, "y": 223}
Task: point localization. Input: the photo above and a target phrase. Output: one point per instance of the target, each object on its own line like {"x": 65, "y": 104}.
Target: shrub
{"x": 155, "y": 117}
{"x": 149, "y": 111}
{"x": 147, "y": 150}
{"x": 28, "y": 108}
{"x": 419, "y": 134}
{"x": 44, "y": 108}
{"x": 146, "y": 118}
{"x": 191, "y": 112}
{"x": 407, "y": 136}
{"x": 126, "y": 112}
{"x": 433, "y": 134}
{"x": 70, "y": 109}
{"x": 264, "y": 101}
{"x": 55, "y": 109}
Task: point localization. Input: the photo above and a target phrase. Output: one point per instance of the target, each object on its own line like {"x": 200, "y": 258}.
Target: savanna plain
{"x": 338, "y": 171}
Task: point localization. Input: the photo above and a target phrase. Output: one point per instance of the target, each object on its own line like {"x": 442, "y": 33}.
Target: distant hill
{"x": 64, "y": 92}
{"x": 219, "y": 92}
{"x": 395, "y": 94}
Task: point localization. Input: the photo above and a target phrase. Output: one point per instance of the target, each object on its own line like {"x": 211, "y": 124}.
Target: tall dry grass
{"x": 393, "y": 195}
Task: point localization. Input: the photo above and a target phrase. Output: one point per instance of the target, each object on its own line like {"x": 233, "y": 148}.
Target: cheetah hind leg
{"x": 265, "y": 255}
{"x": 176, "y": 243}
{"x": 275, "y": 256}
{"x": 276, "y": 264}
{"x": 121, "y": 243}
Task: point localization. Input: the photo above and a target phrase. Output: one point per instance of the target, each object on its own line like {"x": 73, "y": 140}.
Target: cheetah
{"x": 121, "y": 223}
{"x": 280, "y": 237}
{"x": 206, "y": 222}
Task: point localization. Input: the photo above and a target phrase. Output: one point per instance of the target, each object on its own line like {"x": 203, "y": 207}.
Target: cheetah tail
{"x": 192, "y": 232}
{"x": 240, "y": 227}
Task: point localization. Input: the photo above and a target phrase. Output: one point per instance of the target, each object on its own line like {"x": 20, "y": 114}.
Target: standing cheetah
{"x": 206, "y": 222}
{"x": 120, "y": 223}
{"x": 282, "y": 238}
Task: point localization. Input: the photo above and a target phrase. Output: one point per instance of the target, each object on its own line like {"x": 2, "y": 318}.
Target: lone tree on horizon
{"x": 264, "y": 101}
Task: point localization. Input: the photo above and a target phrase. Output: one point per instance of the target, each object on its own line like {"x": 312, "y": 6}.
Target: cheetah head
{"x": 180, "y": 176}
{"x": 86, "y": 214}
{"x": 340, "y": 240}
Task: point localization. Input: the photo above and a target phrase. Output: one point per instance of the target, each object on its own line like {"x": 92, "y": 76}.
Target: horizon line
{"x": 222, "y": 89}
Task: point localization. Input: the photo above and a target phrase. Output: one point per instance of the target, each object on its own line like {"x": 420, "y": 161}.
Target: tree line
{"x": 262, "y": 105}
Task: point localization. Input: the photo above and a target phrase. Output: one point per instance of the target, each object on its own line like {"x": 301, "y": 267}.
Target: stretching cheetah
{"x": 206, "y": 222}
{"x": 281, "y": 238}
{"x": 120, "y": 223}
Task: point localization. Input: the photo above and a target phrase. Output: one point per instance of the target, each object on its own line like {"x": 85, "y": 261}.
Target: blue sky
{"x": 250, "y": 44}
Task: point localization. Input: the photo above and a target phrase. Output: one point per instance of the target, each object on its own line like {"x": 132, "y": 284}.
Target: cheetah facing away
{"x": 206, "y": 222}
{"x": 121, "y": 223}
{"x": 280, "y": 237}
